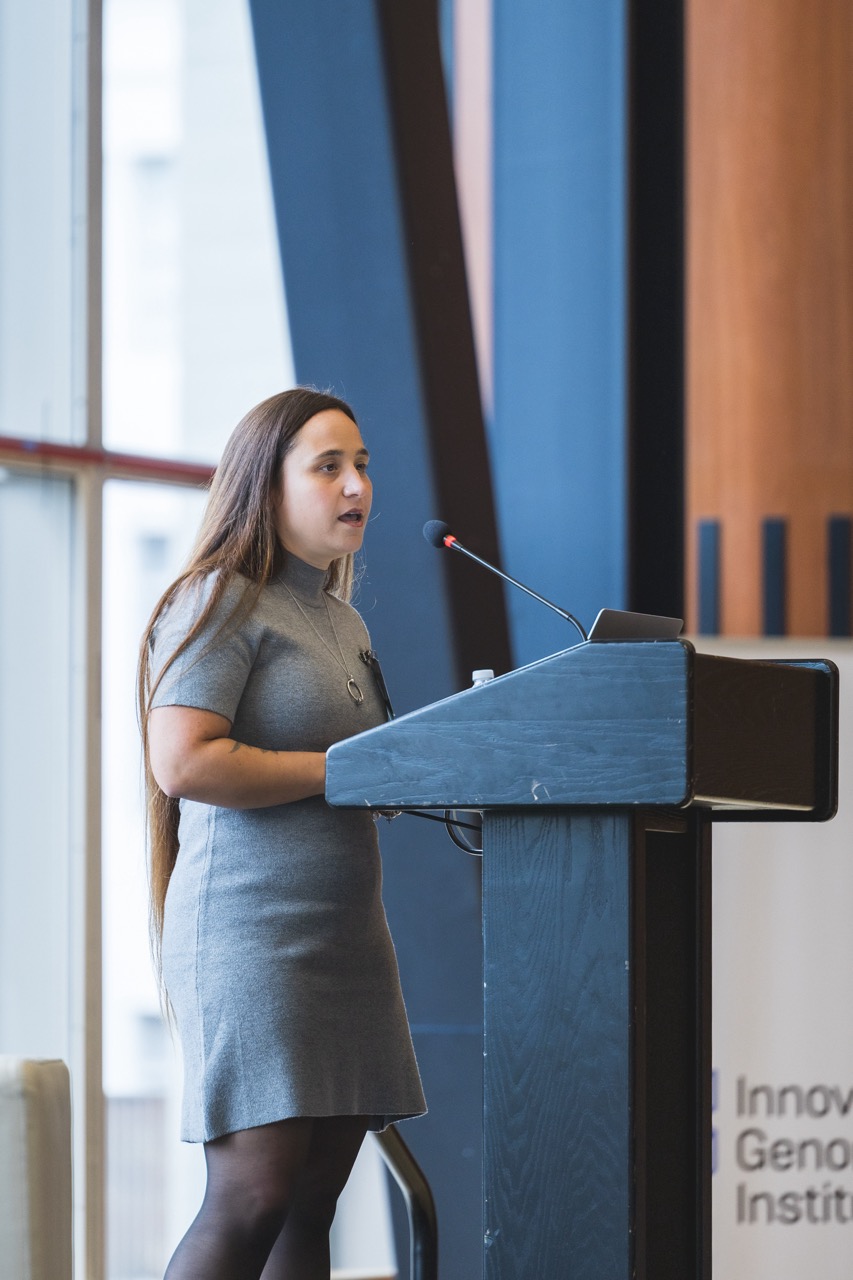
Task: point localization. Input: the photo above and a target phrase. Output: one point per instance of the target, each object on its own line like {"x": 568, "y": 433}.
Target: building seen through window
{"x": 194, "y": 333}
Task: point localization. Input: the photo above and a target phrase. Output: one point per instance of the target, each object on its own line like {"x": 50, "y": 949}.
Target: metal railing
{"x": 420, "y": 1206}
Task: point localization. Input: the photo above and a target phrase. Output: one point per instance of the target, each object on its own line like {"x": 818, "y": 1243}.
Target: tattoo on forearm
{"x": 265, "y": 751}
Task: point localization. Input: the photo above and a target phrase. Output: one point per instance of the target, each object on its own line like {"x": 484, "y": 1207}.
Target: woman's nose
{"x": 354, "y": 482}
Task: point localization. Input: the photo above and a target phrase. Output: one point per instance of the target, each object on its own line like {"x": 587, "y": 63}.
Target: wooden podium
{"x": 600, "y": 770}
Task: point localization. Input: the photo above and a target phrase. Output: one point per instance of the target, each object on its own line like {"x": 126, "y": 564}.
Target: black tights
{"x": 270, "y": 1200}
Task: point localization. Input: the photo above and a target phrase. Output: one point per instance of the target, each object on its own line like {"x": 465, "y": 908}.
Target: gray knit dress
{"x": 276, "y": 952}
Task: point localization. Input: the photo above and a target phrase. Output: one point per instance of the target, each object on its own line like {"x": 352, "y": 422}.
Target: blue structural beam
{"x": 357, "y": 326}
{"x": 559, "y": 441}
{"x": 340, "y": 234}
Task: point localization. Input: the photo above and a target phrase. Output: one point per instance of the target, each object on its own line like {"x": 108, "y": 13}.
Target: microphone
{"x": 439, "y": 534}
{"x": 435, "y": 532}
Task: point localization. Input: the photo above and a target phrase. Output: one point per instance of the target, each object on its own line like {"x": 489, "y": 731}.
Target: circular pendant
{"x": 354, "y": 691}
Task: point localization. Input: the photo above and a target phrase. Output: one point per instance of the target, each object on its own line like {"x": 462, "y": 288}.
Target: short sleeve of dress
{"x": 212, "y": 671}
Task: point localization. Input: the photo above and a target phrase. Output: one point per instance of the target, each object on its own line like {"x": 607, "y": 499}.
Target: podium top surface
{"x": 646, "y": 723}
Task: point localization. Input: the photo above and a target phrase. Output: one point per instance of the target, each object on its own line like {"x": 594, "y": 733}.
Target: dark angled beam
{"x": 656, "y": 307}
{"x": 439, "y": 295}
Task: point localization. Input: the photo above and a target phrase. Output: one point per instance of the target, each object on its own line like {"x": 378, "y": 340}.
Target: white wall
{"x": 783, "y": 952}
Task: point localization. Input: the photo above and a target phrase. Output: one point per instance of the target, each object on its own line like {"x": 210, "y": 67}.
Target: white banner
{"x": 783, "y": 1027}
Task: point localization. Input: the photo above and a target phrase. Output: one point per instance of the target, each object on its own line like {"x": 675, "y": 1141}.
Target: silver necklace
{"x": 352, "y": 684}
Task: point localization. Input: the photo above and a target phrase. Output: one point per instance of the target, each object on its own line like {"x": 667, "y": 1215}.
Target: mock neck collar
{"x": 304, "y": 580}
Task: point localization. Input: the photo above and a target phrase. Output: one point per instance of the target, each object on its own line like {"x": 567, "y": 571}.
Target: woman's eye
{"x": 361, "y": 466}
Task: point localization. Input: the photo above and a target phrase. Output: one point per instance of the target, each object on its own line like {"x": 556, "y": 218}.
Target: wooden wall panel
{"x": 769, "y": 291}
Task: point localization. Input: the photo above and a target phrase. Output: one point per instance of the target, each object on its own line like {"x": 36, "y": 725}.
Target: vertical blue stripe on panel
{"x": 774, "y": 573}
{"x": 709, "y": 577}
{"x": 838, "y": 543}
{"x": 558, "y": 436}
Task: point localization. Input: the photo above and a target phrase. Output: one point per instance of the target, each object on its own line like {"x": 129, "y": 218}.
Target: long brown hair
{"x": 237, "y": 536}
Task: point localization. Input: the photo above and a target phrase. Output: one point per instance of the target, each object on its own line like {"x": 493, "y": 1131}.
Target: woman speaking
{"x": 266, "y": 904}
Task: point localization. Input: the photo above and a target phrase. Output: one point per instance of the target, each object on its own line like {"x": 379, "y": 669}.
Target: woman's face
{"x": 325, "y": 494}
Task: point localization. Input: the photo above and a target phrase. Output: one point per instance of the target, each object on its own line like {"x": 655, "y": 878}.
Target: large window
{"x": 153, "y": 1183}
{"x": 42, "y": 150}
{"x": 101, "y": 488}
{"x": 195, "y": 325}
{"x": 37, "y": 772}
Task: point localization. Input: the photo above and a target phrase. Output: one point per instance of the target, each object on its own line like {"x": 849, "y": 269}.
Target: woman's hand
{"x": 193, "y": 758}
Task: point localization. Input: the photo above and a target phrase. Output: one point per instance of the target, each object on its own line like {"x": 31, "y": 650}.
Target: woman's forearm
{"x": 233, "y": 775}
{"x": 194, "y": 757}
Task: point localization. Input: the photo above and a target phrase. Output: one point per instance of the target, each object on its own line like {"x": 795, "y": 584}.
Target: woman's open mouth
{"x": 354, "y": 518}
